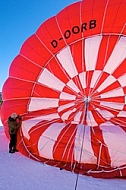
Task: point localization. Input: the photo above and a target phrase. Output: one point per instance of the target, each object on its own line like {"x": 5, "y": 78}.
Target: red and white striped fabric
{"x": 69, "y": 84}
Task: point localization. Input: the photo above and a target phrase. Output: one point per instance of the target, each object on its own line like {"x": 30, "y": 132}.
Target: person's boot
{"x": 15, "y": 149}
{"x": 11, "y": 151}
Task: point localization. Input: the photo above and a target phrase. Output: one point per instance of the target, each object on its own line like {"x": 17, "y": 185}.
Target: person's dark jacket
{"x": 14, "y": 124}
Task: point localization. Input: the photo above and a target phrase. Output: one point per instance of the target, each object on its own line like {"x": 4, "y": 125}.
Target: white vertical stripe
{"x": 122, "y": 114}
{"x": 42, "y": 103}
{"x": 95, "y": 77}
{"x": 66, "y": 96}
{"x": 50, "y": 116}
{"x": 73, "y": 86}
{"x": 48, "y": 139}
{"x": 105, "y": 114}
{"x": 107, "y": 82}
{"x": 82, "y": 77}
{"x": 112, "y": 105}
{"x": 48, "y": 79}
{"x": 117, "y": 56}
{"x": 115, "y": 139}
{"x": 28, "y": 124}
{"x": 77, "y": 116}
{"x": 122, "y": 80}
{"x": 87, "y": 153}
{"x": 66, "y": 115}
{"x": 113, "y": 93}
{"x": 91, "y": 51}
{"x": 91, "y": 120}
{"x": 65, "y": 106}
{"x": 66, "y": 60}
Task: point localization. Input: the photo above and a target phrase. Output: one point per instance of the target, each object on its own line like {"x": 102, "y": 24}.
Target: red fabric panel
{"x": 57, "y": 70}
{"x": 69, "y": 23}
{"x": 63, "y": 148}
{"x": 77, "y": 50}
{"x": 22, "y": 68}
{"x": 32, "y": 143}
{"x": 101, "y": 80}
{"x": 106, "y": 47}
{"x": 15, "y": 88}
{"x": 43, "y": 91}
{"x": 100, "y": 148}
{"x": 34, "y": 50}
{"x": 48, "y": 32}
{"x": 115, "y": 11}
{"x": 120, "y": 70}
{"x": 12, "y": 106}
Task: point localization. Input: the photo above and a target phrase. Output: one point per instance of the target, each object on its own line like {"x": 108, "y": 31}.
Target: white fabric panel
{"x": 91, "y": 51}
{"x": 78, "y": 116}
{"x": 82, "y": 77}
{"x": 108, "y": 81}
{"x": 61, "y": 108}
{"x": 73, "y": 86}
{"x": 112, "y": 105}
{"x": 50, "y": 116}
{"x": 115, "y": 138}
{"x": 66, "y": 60}
{"x": 95, "y": 78}
{"x": 122, "y": 114}
{"x": 90, "y": 119}
{"x": 48, "y": 138}
{"x": 117, "y": 56}
{"x": 48, "y": 79}
{"x": 87, "y": 154}
{"x": 28, "y": 124}
{"x": 105, "y": 114}
{"x": 42, "y": 103}
{"x": 113, "y": 93}
{"x": 66, "y": 96}
{"x": 122, "y": 80}
{"x": 67, "y": 114}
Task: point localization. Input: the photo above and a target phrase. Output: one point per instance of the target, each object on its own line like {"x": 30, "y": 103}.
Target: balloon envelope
{"x": 68, "y": 84}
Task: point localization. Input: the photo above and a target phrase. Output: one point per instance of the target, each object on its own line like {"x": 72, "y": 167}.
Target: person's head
{"x": 13, "y": 115}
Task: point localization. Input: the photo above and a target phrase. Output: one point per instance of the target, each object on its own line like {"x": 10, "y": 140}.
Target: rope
{"x": 85, "y": 116}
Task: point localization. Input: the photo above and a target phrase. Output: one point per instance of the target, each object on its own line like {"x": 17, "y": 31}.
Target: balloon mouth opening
{"x": 87, "y": 99}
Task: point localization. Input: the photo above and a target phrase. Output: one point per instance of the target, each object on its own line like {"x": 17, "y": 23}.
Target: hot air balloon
{"x": 68, "y": 82}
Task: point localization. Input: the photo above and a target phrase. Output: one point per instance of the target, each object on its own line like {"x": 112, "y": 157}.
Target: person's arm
{"x": 18, "y": 121}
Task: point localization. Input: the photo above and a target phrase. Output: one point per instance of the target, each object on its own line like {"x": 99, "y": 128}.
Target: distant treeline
{"x": 1, "y": 98}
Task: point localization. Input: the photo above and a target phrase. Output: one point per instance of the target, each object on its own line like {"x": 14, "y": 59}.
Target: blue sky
{"x": 20, "y": 19}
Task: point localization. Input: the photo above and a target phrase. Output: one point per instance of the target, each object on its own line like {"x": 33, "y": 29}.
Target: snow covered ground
{"x": 18, "y": 172}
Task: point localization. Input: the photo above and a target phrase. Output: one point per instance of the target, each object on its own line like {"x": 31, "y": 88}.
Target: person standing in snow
{"x": 14, "y": 122}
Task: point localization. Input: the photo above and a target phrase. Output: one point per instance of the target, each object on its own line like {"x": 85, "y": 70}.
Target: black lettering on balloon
{"x": 61, "y": 38}
{"x": 54, "y": 43}
{"x": 92, "y": 24}
{"x": 75, "y": 29}
{"x": 83, "y": 26}
{"x": 67, "y": 34}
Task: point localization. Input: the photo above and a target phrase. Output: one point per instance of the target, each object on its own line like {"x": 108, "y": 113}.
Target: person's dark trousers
{"x": 12, "y": 144}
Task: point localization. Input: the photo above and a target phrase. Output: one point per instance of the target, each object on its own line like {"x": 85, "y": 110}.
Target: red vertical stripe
{"x": 63, "y": 148}
{"x": 99, "y": 147}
